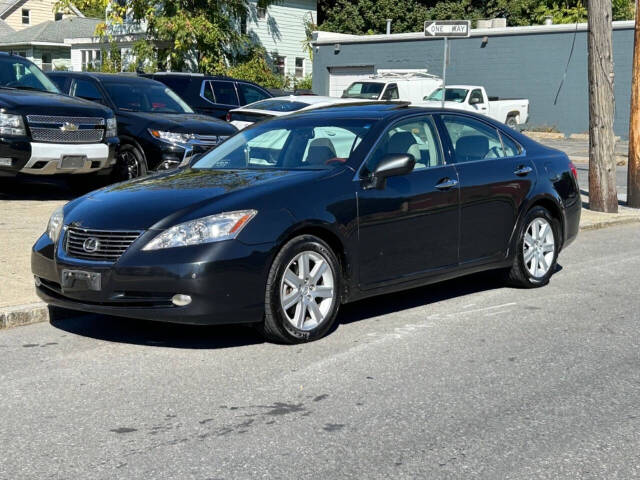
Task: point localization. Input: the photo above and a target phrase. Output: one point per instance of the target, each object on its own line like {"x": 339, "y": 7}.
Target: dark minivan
{"x": 157, "y": 129}
{"x": 212, "y": 95}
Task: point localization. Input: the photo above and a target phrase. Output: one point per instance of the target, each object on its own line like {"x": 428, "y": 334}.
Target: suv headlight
{"x": 112, "y": 128}
{"x": 213, "y": 228}
{"x": 171, "y": 137}
{"x": 55, "y": 224}
{"x": 12, "y": 125}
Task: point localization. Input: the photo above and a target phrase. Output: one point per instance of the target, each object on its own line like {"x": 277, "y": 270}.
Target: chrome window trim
{"x": 357, "y": 178}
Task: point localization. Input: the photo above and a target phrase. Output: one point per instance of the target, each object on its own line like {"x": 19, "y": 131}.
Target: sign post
{"x": 445, "y": 29}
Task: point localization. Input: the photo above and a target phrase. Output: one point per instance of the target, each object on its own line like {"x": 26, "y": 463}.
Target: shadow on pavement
{"x": 45, "y": 188}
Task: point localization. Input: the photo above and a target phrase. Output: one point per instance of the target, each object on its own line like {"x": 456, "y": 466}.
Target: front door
{"x": 495, "y": 179}
{"x": 408, "y": 228}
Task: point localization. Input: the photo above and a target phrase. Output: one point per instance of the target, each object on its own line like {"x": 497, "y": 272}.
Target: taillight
{"x": 573, "y": 170}
{"x": 228, "y": 116}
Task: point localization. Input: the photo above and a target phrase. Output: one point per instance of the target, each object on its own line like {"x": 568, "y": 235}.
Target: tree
{"x": 207, "y": 28}
{"x": 602, "y": 165}
{"x": 633, "y": 172}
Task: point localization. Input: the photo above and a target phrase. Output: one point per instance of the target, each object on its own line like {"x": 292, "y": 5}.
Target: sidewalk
{"x": 577, "y": 146}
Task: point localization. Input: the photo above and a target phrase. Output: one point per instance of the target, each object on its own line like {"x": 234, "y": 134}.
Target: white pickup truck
{"x": 473, "y": 98}
{"x": 411, "y": 85}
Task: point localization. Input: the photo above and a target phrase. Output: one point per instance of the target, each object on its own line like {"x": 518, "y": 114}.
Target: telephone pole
{"x": 633, "y": 172}
{"x": 603, "y": 196}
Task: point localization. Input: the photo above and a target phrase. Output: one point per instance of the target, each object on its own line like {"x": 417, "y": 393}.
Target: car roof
{"x": 107, "y": 77}
{"x": 201, "y": 76}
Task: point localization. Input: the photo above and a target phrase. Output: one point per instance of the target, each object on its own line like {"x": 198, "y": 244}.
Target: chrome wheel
{"x": 307, "y": 290}
{"x": 538, "y": 247}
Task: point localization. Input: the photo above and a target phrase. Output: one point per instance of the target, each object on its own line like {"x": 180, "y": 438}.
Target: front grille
{"x": 110, "y": 244}
{"x": 54, "y": 129}
{"x": 55, "y": 135}
{"x": 207, "y": 139}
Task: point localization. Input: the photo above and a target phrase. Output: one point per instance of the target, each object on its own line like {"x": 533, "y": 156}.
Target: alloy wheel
{"x": 130, "y": 164}
{"x": 538, "y": 247}
{"x": 307, "y": 290}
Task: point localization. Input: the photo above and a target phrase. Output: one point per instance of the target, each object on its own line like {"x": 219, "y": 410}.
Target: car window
{"x": 177, "y": 83}
{"x": 452, "y": 95}
{"x": 225, "y": 93}
{"x": 391, "y": 93}
{"x": 366, "y": 90}
{"x": 511, "y": 148}
{"x": 301, "y": 144}
{"x": 145, "y": 97}
{"x": 277, "y": 105}
{"x": 472, "y": 139}
{"x": 85, "y": 89}
{"x": 250, "y": 94}
{"x": 417, "y": 137}
{"x": 207, "y": 92}
{"x": 60, "y": 82}
{"x": 21, "y": 74}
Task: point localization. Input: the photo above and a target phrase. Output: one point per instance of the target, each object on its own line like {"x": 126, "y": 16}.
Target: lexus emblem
{"x": 69, "y": 127}
{"x": 91, "y": 245}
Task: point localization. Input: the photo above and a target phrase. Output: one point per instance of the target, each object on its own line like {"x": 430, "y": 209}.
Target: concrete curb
{"x": 544, "y": 135}
{"x": 39, "y": 312}
{"x": 23, "y": 315}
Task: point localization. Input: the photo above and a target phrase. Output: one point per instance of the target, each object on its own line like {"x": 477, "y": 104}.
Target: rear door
{"x": 219, "y": 97}
{"x": 409, "y": 228}
{"x": 495, "y": 179}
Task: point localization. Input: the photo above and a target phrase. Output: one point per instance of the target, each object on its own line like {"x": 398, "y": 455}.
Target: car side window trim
{"x": 452, "y": 153}
{"x": 208, "y": 83}
{"x": 358, "y": 178}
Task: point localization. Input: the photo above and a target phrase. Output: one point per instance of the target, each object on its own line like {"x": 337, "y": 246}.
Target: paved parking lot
{"x": 467, "y": 379}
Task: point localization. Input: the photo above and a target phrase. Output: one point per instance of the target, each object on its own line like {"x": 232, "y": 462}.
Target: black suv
{"x": 157, "y": 129}
{"x": 210, "y": 95}
{"x": 43, "y": 132}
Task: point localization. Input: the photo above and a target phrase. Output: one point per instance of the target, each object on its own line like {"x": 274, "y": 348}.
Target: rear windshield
{"x": 277, "y": 105}
{"x": 21, "y": 74}
{"x": 367, "y": 90}
{"x": 145, "y": 97}
{"x": 289, "y": 144}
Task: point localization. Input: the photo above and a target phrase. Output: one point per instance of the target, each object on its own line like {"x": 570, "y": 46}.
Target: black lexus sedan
{"x": 157, "y": 129}
{"x": 292, "y": 217}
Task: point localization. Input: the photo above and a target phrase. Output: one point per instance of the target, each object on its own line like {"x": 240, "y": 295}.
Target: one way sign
{"x": 447, "y": 28}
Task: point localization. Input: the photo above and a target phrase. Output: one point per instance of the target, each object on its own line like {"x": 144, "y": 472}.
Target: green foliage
{"x": 302, "y": 83}
{"x": 256, "y": 68}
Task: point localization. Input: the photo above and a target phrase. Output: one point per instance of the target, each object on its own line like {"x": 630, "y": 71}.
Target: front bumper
{"x": 20, "y": 155}
{"x": 225, "y": 280}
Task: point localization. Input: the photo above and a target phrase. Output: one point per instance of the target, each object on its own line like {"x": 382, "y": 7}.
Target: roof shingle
{"x": 53, "y": 32}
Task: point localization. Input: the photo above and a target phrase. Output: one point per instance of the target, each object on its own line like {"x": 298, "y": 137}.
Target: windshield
{"x": 145, "y": 97}
{"x": 368, "y": 90}
{"x": 16, "y": 72}
{"x": 453, "y": 95}
{"x": 307, "y": 144}
{"x": 277, "y": 105}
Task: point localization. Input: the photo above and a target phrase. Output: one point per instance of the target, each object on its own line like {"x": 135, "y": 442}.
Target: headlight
{"x": 112, "y": 128}
{"x": 214, "y": 228}
{"x": 171, "y": 137}
{"x": 55, "y": 224}
{"x": 11, "y": 125}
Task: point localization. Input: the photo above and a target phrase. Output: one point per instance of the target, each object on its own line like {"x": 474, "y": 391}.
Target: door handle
{"x": 446, "y": 183}
{"x": 523, "y": 170}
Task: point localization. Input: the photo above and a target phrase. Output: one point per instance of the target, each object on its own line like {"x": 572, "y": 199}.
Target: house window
{"x": 299, "y": 67}
{"x": 26, "y": 16}
{"x": 90, "y": 59}
{"x": 46, "y": 62}
{"x": 262, "y": 13}
{"x": 281, "y": 64}
{"x": 58, "y": 16}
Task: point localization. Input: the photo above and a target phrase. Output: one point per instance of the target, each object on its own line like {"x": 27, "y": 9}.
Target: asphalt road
{"x": 466, "y": 379}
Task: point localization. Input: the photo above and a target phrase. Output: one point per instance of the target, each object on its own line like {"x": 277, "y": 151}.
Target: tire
{"x": 290, "y": 316}
{"x": 533, "y": 250}
{"x": 130, "y": 164}
{"x": 512, "y": 121}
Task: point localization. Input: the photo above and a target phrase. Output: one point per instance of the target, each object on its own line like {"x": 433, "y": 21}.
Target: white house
{"x": 279, "y": 28}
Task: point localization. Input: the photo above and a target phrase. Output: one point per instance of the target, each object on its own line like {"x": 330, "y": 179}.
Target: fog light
{"x": 5, "y": 162}
{"x": 37, "y": 280}
{"x": 181, "y": 300}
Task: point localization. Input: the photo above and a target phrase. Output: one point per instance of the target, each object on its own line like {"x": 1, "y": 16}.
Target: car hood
{"x": 180, "y": 122}
{"x": 26, "y": 102}
{"x": 168, "y": 198}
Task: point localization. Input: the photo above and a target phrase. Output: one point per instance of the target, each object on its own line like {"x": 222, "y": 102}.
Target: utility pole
{"x": 633, "y": 172}
{"x": 603, "y": 196}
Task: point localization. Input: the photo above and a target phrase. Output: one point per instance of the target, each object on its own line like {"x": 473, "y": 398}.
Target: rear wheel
{"x": 302, "y": 293}
{"x": 130, "y": 164}
{"x": 512, "y": 121}
{"x": 536, "y": 250}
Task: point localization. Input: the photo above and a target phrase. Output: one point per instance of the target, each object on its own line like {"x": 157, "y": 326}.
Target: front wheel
{"x": 130, "y": 164}
{"x": 303, "y": 291}
{"x": 537, "y": 250}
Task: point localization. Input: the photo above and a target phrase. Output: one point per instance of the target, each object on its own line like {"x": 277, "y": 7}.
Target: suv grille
{"x": 47, "y": 128}
{"x": 99, "y": 245}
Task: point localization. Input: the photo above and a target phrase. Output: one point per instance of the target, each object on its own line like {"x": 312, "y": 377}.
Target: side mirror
{"x": 392, "y": 166}
{"x": 475, "y": 101}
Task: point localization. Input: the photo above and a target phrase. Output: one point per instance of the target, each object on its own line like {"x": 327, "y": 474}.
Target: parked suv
{"x": 43, "y": 132}
{"x": 210, "y": 95}
{"x": 157, "y": 129}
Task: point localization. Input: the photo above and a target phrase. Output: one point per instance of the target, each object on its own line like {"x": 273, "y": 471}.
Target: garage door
{"x": 341, "y": 77}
